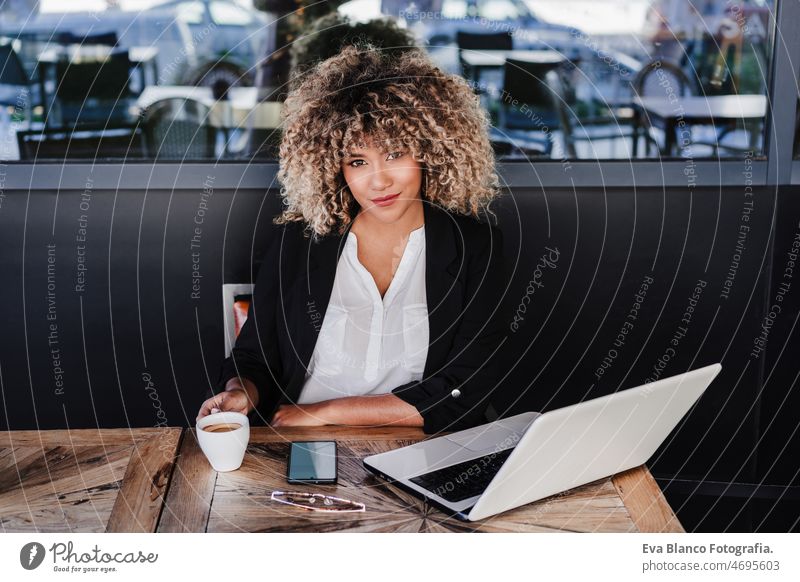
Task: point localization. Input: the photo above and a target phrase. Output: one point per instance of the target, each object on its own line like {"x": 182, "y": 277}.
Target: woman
{"x": 375, "y": 302}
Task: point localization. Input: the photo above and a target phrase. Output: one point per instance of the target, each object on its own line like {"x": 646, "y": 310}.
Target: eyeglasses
{"x": 316, "y": 501}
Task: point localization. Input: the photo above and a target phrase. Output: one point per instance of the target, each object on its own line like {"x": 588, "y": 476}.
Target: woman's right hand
{"x": 230, "y": 401}
{"x": 234, "y": 399}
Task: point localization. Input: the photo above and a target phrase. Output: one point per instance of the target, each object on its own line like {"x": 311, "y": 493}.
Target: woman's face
{"x": 373, "y": 174}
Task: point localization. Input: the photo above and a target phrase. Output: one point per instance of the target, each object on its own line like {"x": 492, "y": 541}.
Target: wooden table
{"x": 201, "y": 500}
{"x": 95, "y": 480}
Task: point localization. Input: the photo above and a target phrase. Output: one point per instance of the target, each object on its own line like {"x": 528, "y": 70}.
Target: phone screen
{"x": 312, "y": 461}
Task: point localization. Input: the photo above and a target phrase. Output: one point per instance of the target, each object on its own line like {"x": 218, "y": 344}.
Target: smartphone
{"x": 312, "y": 462}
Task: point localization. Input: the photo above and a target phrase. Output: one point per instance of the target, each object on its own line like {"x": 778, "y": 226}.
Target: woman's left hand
{"x": 301, "y": 415}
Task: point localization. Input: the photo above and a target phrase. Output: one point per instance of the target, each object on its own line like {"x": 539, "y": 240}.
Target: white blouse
{"x": 368, "y": 344}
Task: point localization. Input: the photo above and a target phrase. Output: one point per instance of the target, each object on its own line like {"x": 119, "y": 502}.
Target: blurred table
{"x": 495, "y": 58}
{"x": 93, "y": 480}
{"x": 712, "y": 110}
{"x": 478, "y": 61}
{"x": 241, "y": 110}
{"x": 202, "y": 500}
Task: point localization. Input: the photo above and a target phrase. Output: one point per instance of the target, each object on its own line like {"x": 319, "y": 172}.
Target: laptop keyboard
{"x": 464, "y": 480}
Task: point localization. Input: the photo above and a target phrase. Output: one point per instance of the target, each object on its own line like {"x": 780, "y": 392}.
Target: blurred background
{"x": 564, "y": 79}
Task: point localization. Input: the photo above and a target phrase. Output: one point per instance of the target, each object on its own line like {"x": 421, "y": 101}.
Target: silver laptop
{"x": 482, "y": 471}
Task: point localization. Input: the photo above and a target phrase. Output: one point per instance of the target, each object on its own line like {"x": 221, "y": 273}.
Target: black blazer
{"x": 464, "y": 280}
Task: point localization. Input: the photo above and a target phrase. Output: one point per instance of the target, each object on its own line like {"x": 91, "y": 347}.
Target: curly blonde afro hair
{"x": 365, "y": 96}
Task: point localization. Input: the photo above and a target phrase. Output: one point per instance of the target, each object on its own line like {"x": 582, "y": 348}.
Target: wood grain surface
{"x": 134, "y": 480}
{"x": 239, "y": 501}
{"x": 137, "y": 507}
{"x": 85, "y": 480}
{"x": 645, "y": 502}
{"x": 189, "y": 499}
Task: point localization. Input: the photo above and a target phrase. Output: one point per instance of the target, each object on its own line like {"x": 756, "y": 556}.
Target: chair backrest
{"x": 498, "y": 41}
{"x": 235, "y": 302}
{"x": 177, "y": 128}
{"x": 530, "y": 83}
{"x": 659, "y": 77}
{"x": 11, "y": 70}
{"x": 102, "y": 79}
{"x": 469, "y": 41}
{"x": 539, "y": 88}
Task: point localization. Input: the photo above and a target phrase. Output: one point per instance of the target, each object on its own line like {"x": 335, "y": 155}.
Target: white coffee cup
{"x": 224, "y": 450}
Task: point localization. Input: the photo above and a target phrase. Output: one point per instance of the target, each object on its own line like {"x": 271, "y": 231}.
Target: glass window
{"x": 627, "y": 78}
{"x": 139, "y": 81}
{"x": 592, "y": 79}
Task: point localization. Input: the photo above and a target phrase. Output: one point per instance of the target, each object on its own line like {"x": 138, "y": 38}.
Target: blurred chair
{"x": 259, "y": 137}
{"x": 121, "y": 142}
{"x": 598, "y": 128}
{"x": 261, "y": 144}
{"x": 236, "y": 299}
{"x": 648, "y": 82}
{"x": 672, "y": 79}
{"x": 658, "y": 78}
{"x": 468, "y": 41}
{"x": 716, "y": 140}
{"x": 496, "y": 41}
{"x": 29, "y": 48}
{"x": 533, "y": 107}
{"x": 178, "y": 128}
{"x": 32, "y": 43}
{"x": 507, "y": 149}
{"x": 16, "y": 88}
{"x": 94, "y": 91}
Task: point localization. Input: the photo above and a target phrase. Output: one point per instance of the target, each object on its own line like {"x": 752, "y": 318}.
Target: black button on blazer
{"x": 464, "y": 281}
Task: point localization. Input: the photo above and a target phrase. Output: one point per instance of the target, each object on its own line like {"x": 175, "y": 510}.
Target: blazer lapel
{"x": 442, "y": 287}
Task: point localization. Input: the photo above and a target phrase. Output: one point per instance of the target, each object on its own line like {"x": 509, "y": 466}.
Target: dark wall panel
{"x": 615, "y": 310}
{"x": 580, "y": 261}
{"x": 778, "y": 452}
{"x": 137, "y": 336}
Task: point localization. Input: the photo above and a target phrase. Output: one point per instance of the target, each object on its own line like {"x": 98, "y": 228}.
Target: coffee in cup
{"x": 223, "y": 437}
{"x": 222, "y": 427}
